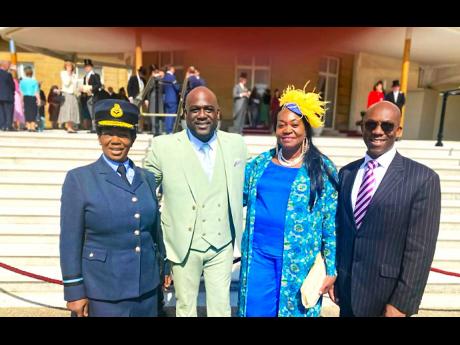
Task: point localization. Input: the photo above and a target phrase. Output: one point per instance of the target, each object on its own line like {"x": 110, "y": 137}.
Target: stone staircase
{"x": 33, "y": 167}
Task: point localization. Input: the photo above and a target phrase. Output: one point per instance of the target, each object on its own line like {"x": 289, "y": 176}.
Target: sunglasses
{"x": 387, "y": 127}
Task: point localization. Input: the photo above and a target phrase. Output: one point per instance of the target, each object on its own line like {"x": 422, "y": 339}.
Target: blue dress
{"x": 264, "y": 278}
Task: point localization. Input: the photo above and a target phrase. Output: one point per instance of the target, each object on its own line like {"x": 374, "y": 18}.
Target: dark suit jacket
{"x": 387, "y": 261}
{"x": 171, "y": 89}
{"x": 399, "y": 102}
{"x": 6, "y": 86}
{"x": 95, "y": 82}
{"x": 98, "y": 238}
{"x": 133, "y": 86}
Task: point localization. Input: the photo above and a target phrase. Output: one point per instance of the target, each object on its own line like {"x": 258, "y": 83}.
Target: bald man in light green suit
{"x": 201, "y": 170}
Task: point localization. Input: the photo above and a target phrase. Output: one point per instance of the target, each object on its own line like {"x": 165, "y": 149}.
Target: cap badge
{"x": 116, "y": 111}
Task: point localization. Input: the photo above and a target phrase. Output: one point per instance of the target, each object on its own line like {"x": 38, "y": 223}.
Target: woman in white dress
{"x": 69, "y": 112}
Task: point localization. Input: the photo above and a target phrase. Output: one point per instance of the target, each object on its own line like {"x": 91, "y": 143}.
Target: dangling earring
{"x": 304, "y": 146}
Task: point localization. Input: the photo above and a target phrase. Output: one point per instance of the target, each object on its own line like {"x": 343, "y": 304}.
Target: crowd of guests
{"x": 70, "y": 104}
{"x": 257, "y": 109}
{"x": 364, "y": 235}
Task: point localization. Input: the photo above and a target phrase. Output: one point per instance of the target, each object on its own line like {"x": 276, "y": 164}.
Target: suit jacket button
{"x": 138, "y": 249}
{"x": 190, "y": 228}
{"x": 193, "y": 207}
{"x": 137, "y": 216}
{"x": 134, "y": 199}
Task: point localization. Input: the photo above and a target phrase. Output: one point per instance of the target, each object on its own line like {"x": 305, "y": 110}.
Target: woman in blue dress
{"x": 291, "y": 198}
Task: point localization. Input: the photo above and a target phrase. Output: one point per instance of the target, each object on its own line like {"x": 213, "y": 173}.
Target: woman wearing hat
{"x": 111, "y": 246}
{"x": 291, "y": 198}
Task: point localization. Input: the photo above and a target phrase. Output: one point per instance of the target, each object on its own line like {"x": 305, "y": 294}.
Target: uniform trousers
{"x": 170, "y": 108}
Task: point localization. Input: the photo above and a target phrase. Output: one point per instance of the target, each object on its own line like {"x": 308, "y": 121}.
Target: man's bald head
{"x": 4, "y": 64}
{"x": 201, "y": 89}
{"x": 202, "y": 113}
{"x": 383, "y": 106}
{"x": 381, "y": 127}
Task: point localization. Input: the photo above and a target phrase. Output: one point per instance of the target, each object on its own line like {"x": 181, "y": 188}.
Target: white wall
{"x": 420, "y": 114}
{"x": 452, "y": 117}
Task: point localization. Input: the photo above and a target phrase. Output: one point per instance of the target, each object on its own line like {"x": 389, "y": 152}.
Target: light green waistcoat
{"x": 212, "y": 227}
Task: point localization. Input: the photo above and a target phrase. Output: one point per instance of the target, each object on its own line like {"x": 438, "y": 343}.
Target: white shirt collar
{"x": 384, "y": 160}
{"x": 170, "y": 72}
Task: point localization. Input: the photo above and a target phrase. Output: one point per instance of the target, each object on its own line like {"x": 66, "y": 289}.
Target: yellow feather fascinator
{"x": 309, "y": 104}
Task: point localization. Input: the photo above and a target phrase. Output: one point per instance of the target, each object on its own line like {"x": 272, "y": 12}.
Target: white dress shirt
{"x": 69, "y": 82}
{"x": 141, "y": 84}
{"x": 395, "y": 95}
{"x": 379, "y": 172}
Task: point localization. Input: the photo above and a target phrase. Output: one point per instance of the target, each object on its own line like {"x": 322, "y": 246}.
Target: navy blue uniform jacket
{"x": 171, "y": 88}
{"x": 103, "y": 220}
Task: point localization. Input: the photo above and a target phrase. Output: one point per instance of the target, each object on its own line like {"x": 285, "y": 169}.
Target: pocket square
{"x": 237, "y": 162}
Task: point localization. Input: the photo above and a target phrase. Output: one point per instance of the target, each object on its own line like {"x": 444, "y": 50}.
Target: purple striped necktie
{"x": 365, "y": 192}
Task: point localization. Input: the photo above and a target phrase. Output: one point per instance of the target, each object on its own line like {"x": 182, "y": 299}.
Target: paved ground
{"x": 40, "y": 312}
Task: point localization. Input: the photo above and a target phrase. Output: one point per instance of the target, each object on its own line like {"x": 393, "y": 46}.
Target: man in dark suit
{"x": 136, "y": 85}
{"x": 6, "y": 97}
{"x": 90, "y": 91}
{"x": 396, "y": 96}
{"x": 171, "y": 92}
{"x": 387, "y": 224}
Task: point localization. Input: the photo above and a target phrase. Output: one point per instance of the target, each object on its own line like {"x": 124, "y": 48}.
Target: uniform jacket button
{"x": 138, "y": 249}
{"x": 137, "y": 232}
{"x": 91, "y": 255}
{"x": 137, "y": 216}
{"x": 134, "y": 199}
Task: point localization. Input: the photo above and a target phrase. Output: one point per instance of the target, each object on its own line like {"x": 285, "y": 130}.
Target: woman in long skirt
{"x": 69, "y": 112}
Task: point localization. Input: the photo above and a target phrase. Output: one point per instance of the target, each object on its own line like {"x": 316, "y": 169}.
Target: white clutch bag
{"x": 313, "y": 282}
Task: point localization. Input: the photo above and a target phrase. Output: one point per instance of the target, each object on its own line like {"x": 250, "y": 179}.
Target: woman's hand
{"x": 328, "y": 283}
{"x": 167, "y": 281}
{"x": 79, "y": 307}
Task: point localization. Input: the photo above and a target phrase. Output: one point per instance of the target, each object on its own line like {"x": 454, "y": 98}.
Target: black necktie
{"x": 122, "y": 171}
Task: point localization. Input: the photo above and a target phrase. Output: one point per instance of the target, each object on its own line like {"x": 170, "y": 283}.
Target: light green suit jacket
{"x": 173, "y": 161}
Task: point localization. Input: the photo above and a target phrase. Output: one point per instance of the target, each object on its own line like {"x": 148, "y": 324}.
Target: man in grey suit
{"x": 387, "y": 224}
{"x": 240, "y": 104}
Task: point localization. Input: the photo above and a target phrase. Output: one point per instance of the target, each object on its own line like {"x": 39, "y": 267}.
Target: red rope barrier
{"x": 31, "y": 275}
{"x": 437, "y": 270}
{"x": 59, "y": 282}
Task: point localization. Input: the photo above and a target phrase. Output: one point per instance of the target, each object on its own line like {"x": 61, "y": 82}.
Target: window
{"x": 327, "y": 85}
{"x": 258, "y": 70}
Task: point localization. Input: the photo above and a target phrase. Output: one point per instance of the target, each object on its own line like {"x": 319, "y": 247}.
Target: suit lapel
{"x": 138, "y": 180}
{"x": 225, "y": 149}
{"x": 189, "y": 163}
{"x": 390, "y": 181}
{"x": 111, "y": 176}
{"x": 348, "y": 183}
